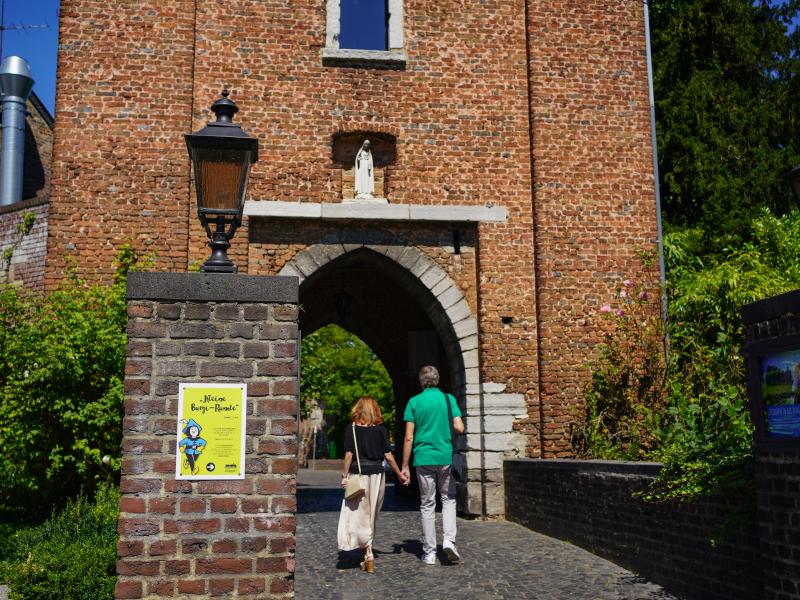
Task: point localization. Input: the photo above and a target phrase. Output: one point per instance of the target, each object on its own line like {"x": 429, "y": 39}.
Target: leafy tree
{"x": 728, "y": 111}
{"x": 338, "y": 369}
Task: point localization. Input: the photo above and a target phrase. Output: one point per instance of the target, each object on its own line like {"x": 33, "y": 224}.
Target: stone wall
{"x": 594, "y": 194}
{"x": 236, "y": 537}
{"x": 590, "y": 504}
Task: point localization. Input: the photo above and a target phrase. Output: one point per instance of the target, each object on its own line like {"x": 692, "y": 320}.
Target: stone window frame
{"x": 393, "y": 58}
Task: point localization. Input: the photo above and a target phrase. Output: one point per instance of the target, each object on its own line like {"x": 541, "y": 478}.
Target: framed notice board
{"x": 773, "y": 369}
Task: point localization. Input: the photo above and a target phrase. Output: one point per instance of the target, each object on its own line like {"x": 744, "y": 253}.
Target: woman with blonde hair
{"x": 368, "y": 437}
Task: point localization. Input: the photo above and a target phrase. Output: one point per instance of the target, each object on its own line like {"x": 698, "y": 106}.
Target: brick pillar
{"x": 772, "y": 325}
{"x": 235, "y": 537}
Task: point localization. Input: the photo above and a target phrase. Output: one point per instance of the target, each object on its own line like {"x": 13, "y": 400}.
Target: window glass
{"x": 364, "y": 24}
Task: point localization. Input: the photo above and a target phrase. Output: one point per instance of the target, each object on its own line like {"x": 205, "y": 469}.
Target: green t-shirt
{"x": 428, "y": 412}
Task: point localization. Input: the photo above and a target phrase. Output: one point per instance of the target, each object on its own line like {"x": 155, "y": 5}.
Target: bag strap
{"x": 355, "y": 443}
{"x": 450, "y": 421}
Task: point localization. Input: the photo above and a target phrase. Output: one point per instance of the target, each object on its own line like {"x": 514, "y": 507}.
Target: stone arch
{"x": 438, "y": 295}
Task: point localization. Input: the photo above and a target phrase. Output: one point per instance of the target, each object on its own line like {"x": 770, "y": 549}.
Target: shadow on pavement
{"x": 351, "y": 559}
{"x": 317, "y": 499}
{"x": 320, "y": 491}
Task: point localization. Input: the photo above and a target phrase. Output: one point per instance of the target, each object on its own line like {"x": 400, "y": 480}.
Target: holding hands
{"x": 405, "y": 475}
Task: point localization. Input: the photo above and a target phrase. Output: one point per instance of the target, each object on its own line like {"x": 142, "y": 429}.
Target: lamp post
{"x": 221, "y": 154}
{"x": 794, "y": 179}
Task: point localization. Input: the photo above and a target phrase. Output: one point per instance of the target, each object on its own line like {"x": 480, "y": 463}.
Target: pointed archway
{"x": 402, "y": 305}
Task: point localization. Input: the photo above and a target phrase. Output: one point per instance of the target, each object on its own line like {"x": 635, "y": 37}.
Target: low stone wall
{"x": 590, "y": 504}
{"x": 232, "y": 538}
{"x": 778, "y": 484}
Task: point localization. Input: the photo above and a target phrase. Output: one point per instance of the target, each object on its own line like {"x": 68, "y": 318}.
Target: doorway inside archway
{"x": 338, "y": 368}
{"x": 392, "y": 312}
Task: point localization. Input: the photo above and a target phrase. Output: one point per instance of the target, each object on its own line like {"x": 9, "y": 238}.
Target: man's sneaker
{"x": 450, "y": 551}
{"x": 429, "y": 559}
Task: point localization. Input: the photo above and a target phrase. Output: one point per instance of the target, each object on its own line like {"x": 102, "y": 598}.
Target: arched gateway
{"x": 410, "y": 312}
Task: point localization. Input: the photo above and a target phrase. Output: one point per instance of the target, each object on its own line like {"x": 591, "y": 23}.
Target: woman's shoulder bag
{"x": 355, "y": 483}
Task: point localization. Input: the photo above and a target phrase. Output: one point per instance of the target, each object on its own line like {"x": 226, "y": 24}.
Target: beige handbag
{"x": 355, "y": 483}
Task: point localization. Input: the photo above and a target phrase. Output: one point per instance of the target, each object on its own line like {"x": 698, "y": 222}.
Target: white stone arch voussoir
{"x": 451, "y": 314}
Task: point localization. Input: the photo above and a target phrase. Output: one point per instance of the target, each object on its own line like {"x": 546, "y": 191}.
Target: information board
{"x": 780, "y": 393}
{"x": 211, "y": 431}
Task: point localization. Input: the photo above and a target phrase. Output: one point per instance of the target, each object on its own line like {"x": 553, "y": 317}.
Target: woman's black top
{"x": 373, "y": 443}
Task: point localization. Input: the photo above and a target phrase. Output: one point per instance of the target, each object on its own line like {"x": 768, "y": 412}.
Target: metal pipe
{"x": 661, "y": 266}
{"x": 15, "y": 85}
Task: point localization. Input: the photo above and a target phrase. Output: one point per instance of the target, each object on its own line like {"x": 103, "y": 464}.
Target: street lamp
{"x": 221, "y": 154}
{"x": 794, "y": 179}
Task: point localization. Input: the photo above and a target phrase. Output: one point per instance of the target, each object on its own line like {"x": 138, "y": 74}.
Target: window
{"x": 363, "y": 24}
{"x": 364, "y": 33}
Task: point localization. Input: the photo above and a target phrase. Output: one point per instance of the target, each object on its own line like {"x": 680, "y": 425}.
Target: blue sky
{"x": 38, "y": 46}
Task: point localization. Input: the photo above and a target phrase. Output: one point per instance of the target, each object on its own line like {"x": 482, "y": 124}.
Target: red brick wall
{"x": 123, "y": 103}
{"x": 593, "y": 183}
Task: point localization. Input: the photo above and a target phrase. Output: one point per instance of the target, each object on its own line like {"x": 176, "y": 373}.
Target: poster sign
{"x": 211, "y": 430}
{"x": 780, "y": 394}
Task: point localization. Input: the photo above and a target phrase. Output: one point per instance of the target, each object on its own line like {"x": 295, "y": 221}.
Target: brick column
{"x": 236, "y": 537}
{"x": 773, "y": 325}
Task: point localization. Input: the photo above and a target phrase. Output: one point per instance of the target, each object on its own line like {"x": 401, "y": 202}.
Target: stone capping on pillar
{"x": 211, "y": 287}
{"x": 232, "y": 538}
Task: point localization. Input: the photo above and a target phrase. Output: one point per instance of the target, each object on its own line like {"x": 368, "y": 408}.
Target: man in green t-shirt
{"x": 428, "y": 433}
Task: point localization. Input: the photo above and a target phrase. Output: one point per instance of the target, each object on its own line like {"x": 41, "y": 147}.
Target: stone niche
{"x": 345, "y": 146}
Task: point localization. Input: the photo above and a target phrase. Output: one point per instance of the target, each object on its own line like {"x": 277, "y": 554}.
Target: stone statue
{"x": 365, "y": 176}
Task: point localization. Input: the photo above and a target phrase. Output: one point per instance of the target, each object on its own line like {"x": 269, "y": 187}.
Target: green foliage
{"x": 338, "y": 369}
{"x": 23, "y": 228}
{"x": 727, "y": 88}
{"x": 62, "y": 360}
{"x": 697, "y": 421}
{"x": 71, "y": 556}
{"x": 728, "y": 110}
{"x": 625, "y": 400}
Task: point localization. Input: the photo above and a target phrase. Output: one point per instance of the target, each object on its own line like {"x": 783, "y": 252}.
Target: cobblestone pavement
{"x": 499, "y": 559}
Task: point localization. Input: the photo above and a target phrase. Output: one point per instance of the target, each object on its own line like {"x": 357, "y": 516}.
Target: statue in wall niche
{"x": 365, "y": 175}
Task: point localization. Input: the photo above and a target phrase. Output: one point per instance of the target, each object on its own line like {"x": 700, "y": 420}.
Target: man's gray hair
{"x": 428, "y": 377}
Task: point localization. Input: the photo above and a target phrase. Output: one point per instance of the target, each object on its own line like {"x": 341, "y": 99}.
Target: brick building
{"x": 512, "y": 145}
{"x": 28, "y": 251}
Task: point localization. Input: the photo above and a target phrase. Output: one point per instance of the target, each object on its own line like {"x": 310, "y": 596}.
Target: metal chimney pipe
{"x": 15, "y": 86}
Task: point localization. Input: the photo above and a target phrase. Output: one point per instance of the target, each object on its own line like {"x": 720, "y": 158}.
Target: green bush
{"x": 692, "y": 412}
{"x": 71, "y": 556}
{"x": 625, "y": 400}
{"x": 62, "y": 361}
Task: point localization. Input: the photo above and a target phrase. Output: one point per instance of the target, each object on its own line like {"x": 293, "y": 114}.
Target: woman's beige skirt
{"x": 358, "y": 517}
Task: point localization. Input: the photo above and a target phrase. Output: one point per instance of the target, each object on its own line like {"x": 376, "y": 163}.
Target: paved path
{"x": 500, "y": 559}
